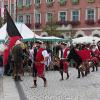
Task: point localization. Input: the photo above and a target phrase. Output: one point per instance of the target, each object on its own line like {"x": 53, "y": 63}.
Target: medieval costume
{"x": 63, "y": 61}
{"x": 85, "y": 54}
{"x": 95, "y": 58}
{"x": 75, "y": 56}
{"x": 17, "y": 54}
{"x": 41, "y": 57}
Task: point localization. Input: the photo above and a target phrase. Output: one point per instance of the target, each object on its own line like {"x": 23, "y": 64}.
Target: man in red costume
{"x": 41, "y": 58}
{"x": 63, "y": 62}
{"x": 95, "y": 56}
{"x": 85, "y": 54}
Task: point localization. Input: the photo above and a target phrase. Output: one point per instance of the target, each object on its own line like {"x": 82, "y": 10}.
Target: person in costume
{"x": 94, "y": 59}
{"x": 95, "y": 56}
{"x": 63, "y": 61}
{"x": 41, "y": 58}
{"x": 85, "y": 54}
{"x": 17, "y": 55}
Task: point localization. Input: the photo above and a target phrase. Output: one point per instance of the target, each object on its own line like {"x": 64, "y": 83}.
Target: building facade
{"x": 72, "y": 17}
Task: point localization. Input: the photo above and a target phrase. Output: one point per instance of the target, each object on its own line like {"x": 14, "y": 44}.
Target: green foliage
{"x": 50, "y": 28}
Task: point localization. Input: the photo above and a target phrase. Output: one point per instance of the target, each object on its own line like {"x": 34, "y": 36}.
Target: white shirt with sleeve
{"x": 45, "y": 54}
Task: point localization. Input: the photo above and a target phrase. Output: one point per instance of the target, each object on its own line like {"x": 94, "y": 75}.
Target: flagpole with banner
{"x": 13, "y": 34}
{"x": 34, "y": 24}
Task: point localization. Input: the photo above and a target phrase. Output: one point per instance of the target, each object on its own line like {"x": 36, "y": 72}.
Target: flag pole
{"x": 34, "y": 25}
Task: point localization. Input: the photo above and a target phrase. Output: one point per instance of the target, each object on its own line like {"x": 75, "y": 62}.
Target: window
{"x": 75, "y": 15}
{"x": 28, "y": 19}
{"x": 28, "y": 2}
{"x": 20, "y": 4}
{"x": 62, "y": 2}
{"x": 37, "y": 1}
{"x": 49, "y": 1}
{"x": 37, "y": 18}
{"x": 91, "y": 1}
{"x": 20, "y": 18}
{"x": 62, "y": 16}
{"x": 98, "y": 13}
{"x": 90, "y": 14}
{"x": 49, "y": 17}
{"x": 75, "y": 1}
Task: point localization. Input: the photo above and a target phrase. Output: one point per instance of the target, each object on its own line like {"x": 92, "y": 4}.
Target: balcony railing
{"x": 60, "y": 23}
{"x": 90, "y": 22}
{"x": 38, "y": 25}
{"x": 75, "y": 23}
{"x": 28, "y": 25}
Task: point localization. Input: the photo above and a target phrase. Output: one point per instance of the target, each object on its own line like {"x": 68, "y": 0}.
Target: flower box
{"x": 37, "y": 25}
{"x": 75, "y": 23}
{"x": 28, "y": 25}
{"x": 62, "y": 23}
{"x": 90, "y": 22}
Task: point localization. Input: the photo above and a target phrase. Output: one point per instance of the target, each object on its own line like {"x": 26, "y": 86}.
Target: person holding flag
{"x": 13, "y": 34}
{"x": 17, "y": 55}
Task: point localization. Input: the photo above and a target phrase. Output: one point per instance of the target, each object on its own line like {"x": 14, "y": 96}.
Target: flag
{"x": 13, "y": 34}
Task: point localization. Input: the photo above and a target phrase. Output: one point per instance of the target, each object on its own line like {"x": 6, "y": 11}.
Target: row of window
{"x": 62, "y": 16}
{"x": 63, "y": 1}
{"x": 27, "y": 2}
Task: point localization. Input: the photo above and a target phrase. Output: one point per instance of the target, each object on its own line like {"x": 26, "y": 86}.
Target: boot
{"x": 45, "y": 83}
{"x": 78, "y": 73}
{"x": 67, "y": 76}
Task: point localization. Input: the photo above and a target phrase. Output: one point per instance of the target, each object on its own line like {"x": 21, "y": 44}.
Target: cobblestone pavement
{"x": 87, "y": 88}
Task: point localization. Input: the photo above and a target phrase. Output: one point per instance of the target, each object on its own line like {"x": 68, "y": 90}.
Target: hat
{"x": 39, "y": 42}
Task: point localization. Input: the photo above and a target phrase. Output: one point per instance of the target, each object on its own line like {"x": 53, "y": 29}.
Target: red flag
{"x": 13, "y": 34}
